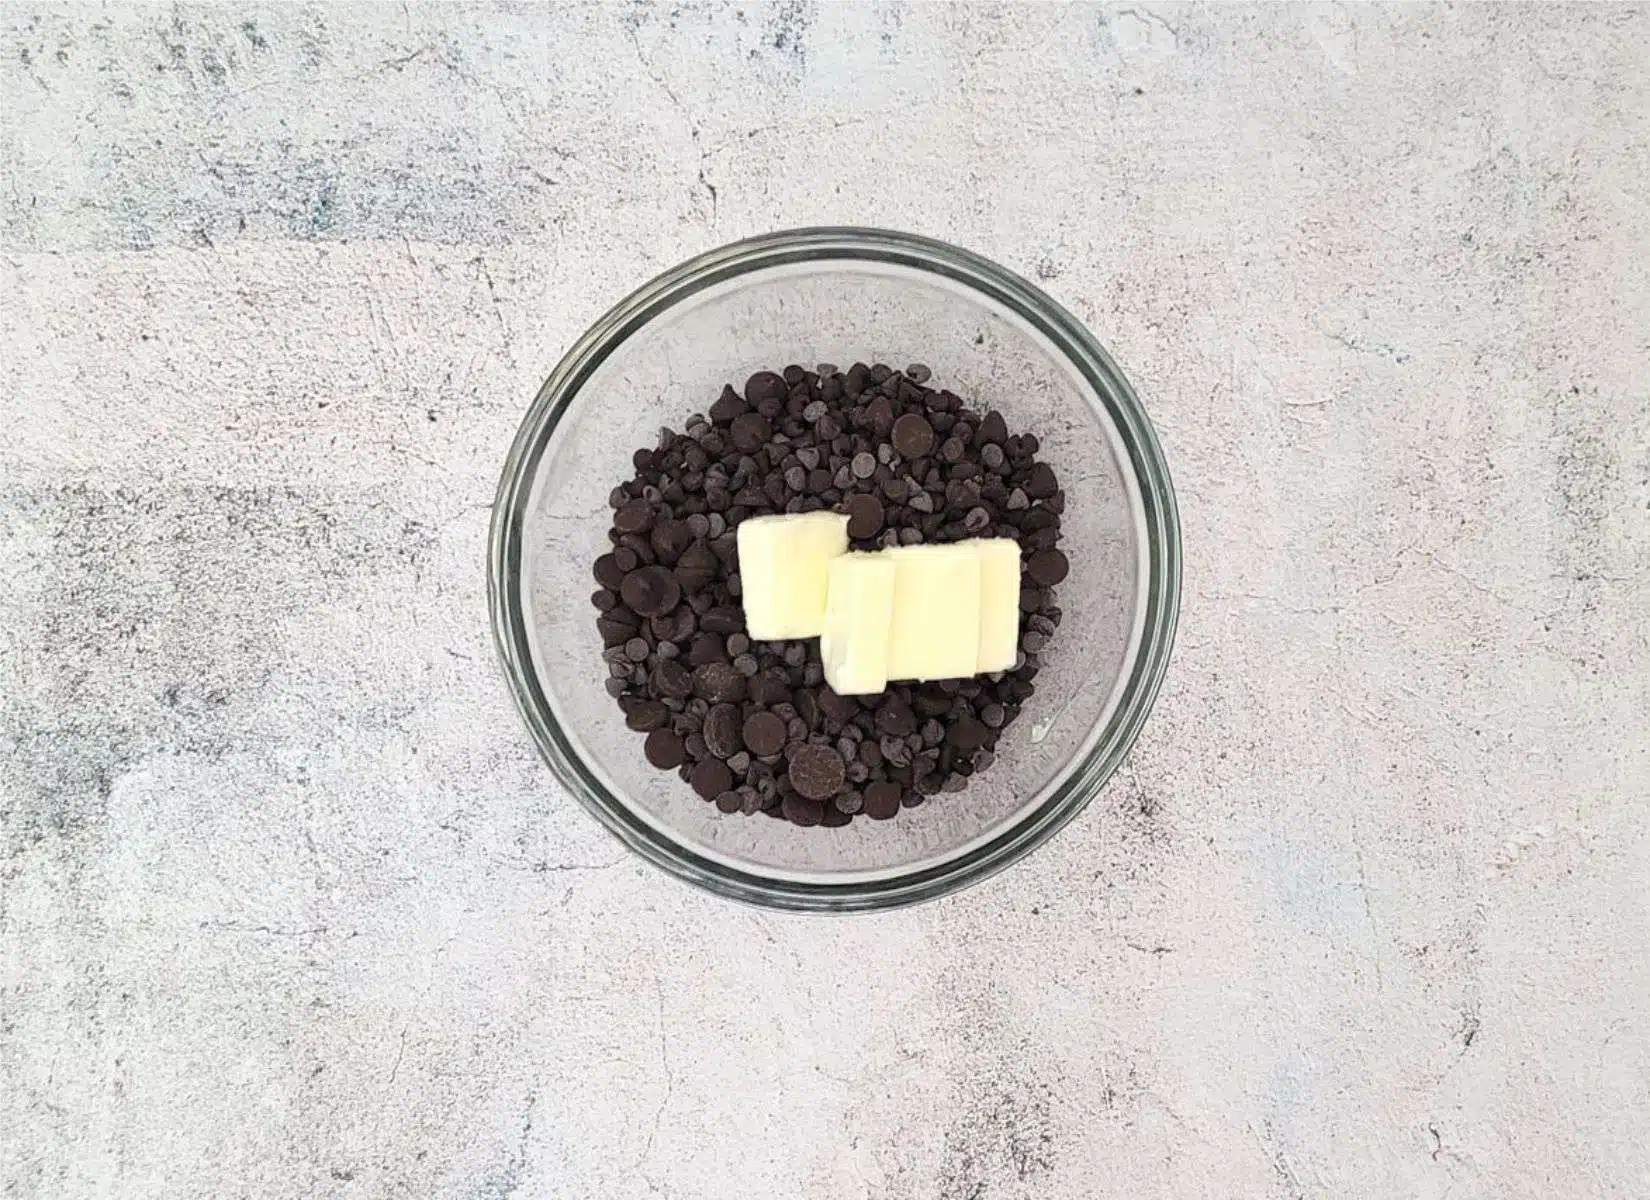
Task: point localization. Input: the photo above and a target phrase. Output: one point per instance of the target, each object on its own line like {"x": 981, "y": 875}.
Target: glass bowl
{"x": 840, "y": 296}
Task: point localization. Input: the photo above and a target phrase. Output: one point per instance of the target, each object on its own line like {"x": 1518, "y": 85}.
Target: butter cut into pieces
{"x": 783, "y": 562}
{"x": 935, "y": 631}
{"x": 859, "y": 610}
{"x": 999, "y": 603}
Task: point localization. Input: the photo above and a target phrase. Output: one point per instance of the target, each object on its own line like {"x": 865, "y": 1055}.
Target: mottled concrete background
{"x": 288, "y": 908}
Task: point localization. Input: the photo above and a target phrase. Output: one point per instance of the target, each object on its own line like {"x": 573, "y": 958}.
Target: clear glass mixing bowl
{"x": 839, "y": 296}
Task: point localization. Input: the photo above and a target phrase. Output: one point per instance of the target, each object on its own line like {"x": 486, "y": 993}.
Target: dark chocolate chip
{"x": 664, "y": 749}
{"x": 835, "y": 707}
{"x": 669, "y": 538}
{"x": 635, "y": 516}
{"x": 1047, "y": 567}
{"x": 718, "y": 683}
{"x": 651, "y": 591}
{"x": 711, "y": 778}
{"x": 608, "y": 572}
{"x": 1042, "y": 483}
{"x": 729, "y": 802}
{"x": 864, "y": 516}
{"x": 769, "y": 687}
{"x": 764, "y": 734}
{"x": 895, "y": 718}
{"x": 967, "y": 733}
{"x": 800, "y": 810}
{"x": 750, "y": 432}
{"x": 882, "y": 801}
{"x": 723, "y": 731}
{"x": 728, "y": 406}
{"x": 647, "y": 716}
{"x": 912, "y": 436}
{"x": 815, "y": 771}
{"x": 672, "y": 680}
{"x": 705, "y": 648}
{"x": 723, "y": 619}
{"x": 697, "y": 567}
{"x": 764, "y": 385}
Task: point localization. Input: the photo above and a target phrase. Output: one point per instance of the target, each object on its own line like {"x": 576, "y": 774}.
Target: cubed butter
{"x": 935, "y": 631}
{"x": 859, "y": 611}
{"x": 782, "y": 572}
{"x": 999, "y": 603}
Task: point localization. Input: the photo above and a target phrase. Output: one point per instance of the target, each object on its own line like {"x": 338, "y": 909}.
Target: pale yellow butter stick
{"x": 935, "y": 631}
{"x": 859, "y": 610}
{"x": 782, "y": 572}
{"x": 999, "y": 603}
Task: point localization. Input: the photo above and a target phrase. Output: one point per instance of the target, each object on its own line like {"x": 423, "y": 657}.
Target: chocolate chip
{"x": 864, "y": 516}
{"x": 764, "y": 734}
{"x": 647, "y": 716}
{"x": 800, "y": 810}
{"x": 882, "y": 801}
{"x": 664, "y": 749}
{"x": 722, "y": 731}
{"x": 750, "y": 432}
{"x": 913, "y": 436}
{"x": 835, "y": 707}
{"x": 729, "y": 802}
{"x": 1042, "y": 483}
{"x": 967, "y": 733}
{"x": 769, "y": 687}
{"x": 608, "y": 572}
{"x": 635, "y": 516}
{"x": 650, "y": 591}
{"x": 669, "y": 538}
{"x": 697, "y": 567}
{"x": 764, "y": 385}
{"x": 728, "y": 406}
{"x": 718, "y": 683}
{"x": 1047, "y": 567}
{"x": 723, "y": 619}
{"x": 894, "y": 718}
{"x": 711, "y": 778}
{"x": 815, "y": 771}
{"x": 672, "y": 680}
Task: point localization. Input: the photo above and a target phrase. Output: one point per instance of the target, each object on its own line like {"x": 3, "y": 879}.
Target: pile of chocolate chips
{"x": 752, "y": 726}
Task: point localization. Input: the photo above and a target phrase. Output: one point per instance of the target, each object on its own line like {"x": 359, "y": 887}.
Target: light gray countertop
{"x": 288, "y": 906}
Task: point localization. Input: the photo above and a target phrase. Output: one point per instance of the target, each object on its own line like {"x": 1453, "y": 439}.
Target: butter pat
{"x": 935, "y": 630}
{"x": 859, "y": 611}
{"x": 782, "y": 572}
{"x": 999, "y": 603}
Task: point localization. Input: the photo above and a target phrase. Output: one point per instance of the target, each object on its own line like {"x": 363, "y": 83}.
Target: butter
{"x": 999, "y": 603}
{"x": 783, "y": 562}
{"x": 859, "y": 610}
{"x": 935, "y": 630}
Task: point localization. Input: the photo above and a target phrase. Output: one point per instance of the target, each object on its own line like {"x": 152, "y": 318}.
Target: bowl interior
{"x": 838, "y": 311}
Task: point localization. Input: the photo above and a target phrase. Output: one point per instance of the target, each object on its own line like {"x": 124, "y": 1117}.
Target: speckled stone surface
{"x": 288, "y": 907}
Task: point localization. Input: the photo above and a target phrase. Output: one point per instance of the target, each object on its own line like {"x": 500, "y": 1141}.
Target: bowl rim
{"x": 1084, "y": 353}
